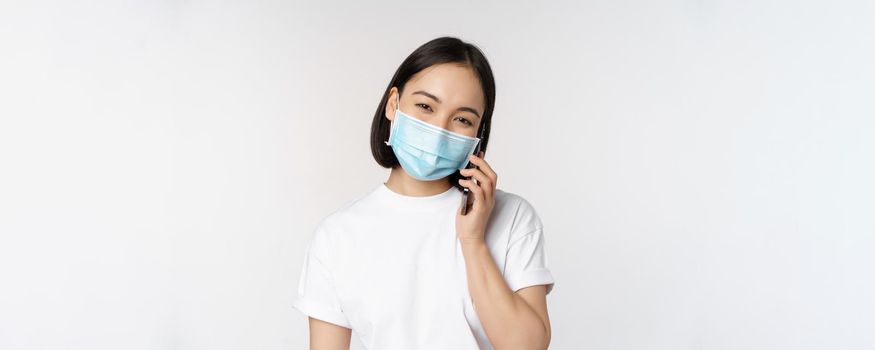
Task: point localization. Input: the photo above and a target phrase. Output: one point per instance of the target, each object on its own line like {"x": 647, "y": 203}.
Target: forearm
{"x": 509, "y": 321}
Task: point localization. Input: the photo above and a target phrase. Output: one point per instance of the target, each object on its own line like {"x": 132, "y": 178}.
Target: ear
{"x": 391, "y": 103}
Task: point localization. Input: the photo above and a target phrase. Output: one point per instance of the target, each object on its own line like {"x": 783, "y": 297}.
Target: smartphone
{"x": 467, "y": 202}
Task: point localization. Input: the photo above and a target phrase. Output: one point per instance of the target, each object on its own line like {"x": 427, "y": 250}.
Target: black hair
{"x": 436, "y": 51}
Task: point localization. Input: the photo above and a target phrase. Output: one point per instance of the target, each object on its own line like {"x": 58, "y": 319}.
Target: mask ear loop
{"x": 465, "y": 191}
{"x": 480, "y": 137}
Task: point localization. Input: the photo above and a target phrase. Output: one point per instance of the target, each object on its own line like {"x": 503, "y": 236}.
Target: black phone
{"x": 467, "y": 202}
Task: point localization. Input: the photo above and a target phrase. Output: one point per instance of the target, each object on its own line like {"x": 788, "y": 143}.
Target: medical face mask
{"x": 425, "y": 151}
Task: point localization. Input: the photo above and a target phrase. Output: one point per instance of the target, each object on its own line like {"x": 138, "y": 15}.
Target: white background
{"x": 703, "y": 168}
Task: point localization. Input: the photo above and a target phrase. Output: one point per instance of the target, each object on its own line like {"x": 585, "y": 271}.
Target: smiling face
{"x": 447, "y": 95}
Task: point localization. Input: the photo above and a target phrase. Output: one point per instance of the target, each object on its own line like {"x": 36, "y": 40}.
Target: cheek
{"x": 467, "y": 131}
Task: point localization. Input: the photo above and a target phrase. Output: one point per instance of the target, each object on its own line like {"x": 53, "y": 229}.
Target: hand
{"x": 471, "y": 228}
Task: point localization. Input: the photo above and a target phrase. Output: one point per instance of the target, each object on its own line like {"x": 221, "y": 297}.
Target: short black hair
{"x": 436, "y": 51}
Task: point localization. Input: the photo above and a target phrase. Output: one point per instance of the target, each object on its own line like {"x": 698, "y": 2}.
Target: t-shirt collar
{"x": 417, "y": 203}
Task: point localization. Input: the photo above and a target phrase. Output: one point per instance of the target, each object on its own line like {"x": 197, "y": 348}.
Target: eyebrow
{"x": 433, "y": 97}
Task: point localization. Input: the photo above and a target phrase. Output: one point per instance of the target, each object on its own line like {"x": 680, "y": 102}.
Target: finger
{"x": 485, "y": 182}
{"x": 478, "y": 192}
{"x": 480, "y": 162}
{"x": 477, "y": 174}
{"x": 484, "y": 166}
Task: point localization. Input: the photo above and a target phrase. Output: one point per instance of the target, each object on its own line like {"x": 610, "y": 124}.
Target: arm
{"x": 328, "y": 336}
{"x": 511, "y": 320}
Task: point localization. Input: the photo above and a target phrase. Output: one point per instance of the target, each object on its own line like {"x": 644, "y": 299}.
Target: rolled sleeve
{"x": 526, "y": 263}
{"x": 317, "y": 296}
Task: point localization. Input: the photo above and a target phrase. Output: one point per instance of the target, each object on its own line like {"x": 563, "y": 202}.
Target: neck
{"x": 401, "y": 182}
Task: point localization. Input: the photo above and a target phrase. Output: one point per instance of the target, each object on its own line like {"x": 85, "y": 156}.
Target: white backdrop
{"x": 703, "y": 168}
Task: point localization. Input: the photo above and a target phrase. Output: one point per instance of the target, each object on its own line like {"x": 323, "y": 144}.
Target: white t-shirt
{"x": 390, "y": 267}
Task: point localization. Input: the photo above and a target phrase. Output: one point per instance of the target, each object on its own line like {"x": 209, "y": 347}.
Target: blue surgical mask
{"x": 425, "y": 151}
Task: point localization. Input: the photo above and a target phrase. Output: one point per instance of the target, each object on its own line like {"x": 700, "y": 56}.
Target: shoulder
{"x": 517, "y": 212}
{"x": 360, "y": 207}
{"x": 331, "y": 227}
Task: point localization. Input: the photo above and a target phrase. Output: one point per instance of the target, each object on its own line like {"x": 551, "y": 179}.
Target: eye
{"x": 423, "y": 106}
{"x": 464, "y": 121}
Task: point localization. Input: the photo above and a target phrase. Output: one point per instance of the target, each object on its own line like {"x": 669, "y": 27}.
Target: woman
{"x": 405, "y": 266}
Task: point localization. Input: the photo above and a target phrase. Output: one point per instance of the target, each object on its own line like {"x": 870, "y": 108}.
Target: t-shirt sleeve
{"x": 317, "y": 296}
{"x": 526, "y": 263}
